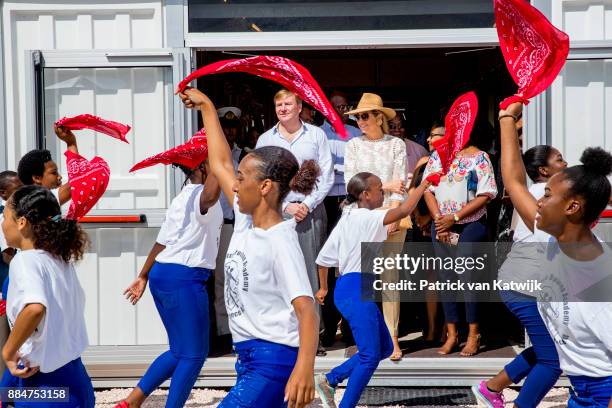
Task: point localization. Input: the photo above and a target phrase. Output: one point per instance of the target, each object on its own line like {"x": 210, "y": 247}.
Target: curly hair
{"x": 281, "y": 166}
{"x": 32, "y": 164}
{"x": 60, "y": 237}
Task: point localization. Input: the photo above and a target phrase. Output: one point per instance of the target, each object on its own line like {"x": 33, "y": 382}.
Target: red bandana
{"x": 459, "y": 123}
{"x": 86, "y": 121}
{"x": 434, "y": 179}
{"x": 88, "y": 180}
{"x": 286, "y": 72}
{"x": 534, "y": 49}
{"x": 190, "y": 154}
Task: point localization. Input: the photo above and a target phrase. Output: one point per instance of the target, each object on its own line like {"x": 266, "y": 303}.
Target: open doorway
{"x": 420, "y": 84}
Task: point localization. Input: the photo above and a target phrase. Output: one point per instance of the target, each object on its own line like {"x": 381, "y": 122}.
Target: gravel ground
{"x": 204, "y": 397}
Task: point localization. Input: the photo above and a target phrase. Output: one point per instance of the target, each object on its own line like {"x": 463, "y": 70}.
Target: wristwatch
{"x": 456, "y": 217}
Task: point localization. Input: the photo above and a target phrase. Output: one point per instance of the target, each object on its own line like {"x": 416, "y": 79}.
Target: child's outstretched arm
{"x": 68, "y": 137}
{"x": 407, "y": 207}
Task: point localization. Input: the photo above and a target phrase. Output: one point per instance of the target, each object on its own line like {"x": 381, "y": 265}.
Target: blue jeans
{"x": 472, "y": 232}
{"x": 590, "y": 392}
{"x": 538, "y": 364}
{"x": 180, "y": 296}
{"x": 371, "y": 336}
{"x": 73, "y": 375}
{"x": 263, "y": 370}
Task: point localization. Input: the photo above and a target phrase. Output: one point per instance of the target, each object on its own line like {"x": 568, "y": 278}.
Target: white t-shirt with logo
{"x": 343, "y": 246}
{"x": 191, "y": 238}
{"x": 581, "y": 330}
{"x": 264, "y": 272}
{"x": 61, "y": 336}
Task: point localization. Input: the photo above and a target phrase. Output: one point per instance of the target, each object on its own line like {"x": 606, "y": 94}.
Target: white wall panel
{"x": 84, "y": 24}
{"x": 112, "y": 263}
{"x": 584, "y": 20}
{"x": 581, "y": 107}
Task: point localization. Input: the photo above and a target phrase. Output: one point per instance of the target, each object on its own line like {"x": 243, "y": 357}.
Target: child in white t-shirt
{"x": 268, "y": 296}
{"x": 46, "y": 303}
{"x": 574, "y": 259}
{"x": 362, "y": 223}
{"x": 177, "y": 268}
{"x": 537, "y": 365}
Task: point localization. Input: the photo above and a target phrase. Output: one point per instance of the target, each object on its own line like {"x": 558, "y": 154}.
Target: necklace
{"x": 367, "y": 139}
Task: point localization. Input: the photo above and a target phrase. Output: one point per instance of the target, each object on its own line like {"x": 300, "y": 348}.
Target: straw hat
{"x": 370, "y": 102}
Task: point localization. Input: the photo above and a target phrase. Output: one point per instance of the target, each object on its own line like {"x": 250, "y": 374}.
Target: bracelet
{"x": 508, "y": 116}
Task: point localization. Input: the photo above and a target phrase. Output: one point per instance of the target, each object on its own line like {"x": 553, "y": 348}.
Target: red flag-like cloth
{"x": 534, "y": 49}
{"x": 87, "y": 121}
{"x": 284, "y": 71}
{"x": 88, "y": 181}
{"x": 459, "y": 123}
{"x": 190, "y": 154}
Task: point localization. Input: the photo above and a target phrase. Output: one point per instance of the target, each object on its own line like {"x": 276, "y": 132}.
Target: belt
{"x": 228, "y": 221}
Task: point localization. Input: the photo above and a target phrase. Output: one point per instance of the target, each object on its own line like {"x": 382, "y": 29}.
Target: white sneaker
{"x": 326, "y": 392}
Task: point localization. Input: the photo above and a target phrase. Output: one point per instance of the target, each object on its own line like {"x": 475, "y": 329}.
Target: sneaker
{"x": 326, "y": 392}
{"x": 488, "y": 398}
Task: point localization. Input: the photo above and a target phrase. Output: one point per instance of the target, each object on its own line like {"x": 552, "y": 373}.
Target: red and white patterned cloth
{"x": 459, "y": 123}
{"x": 87, "y": 121}
{"x": 88, "y": 181}
{"x": 286, "y": 72}
{"x": 190, "y": 154}
{"x": 534, "y": 49}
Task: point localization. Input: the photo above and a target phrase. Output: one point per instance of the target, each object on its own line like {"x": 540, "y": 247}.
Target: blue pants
{"x": 472, "y": 232}
{"x": 180, "y": 296}
{"x": 539, "y": 364}
{"x": 371, "y": 336}
{"x": 73, "y": 375}
{"x": 590, "y": 392}
{"x": 5, "y": 285}
{"x": 263, "y": 370}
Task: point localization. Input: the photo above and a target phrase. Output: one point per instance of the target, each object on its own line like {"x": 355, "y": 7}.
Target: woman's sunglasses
{"x": 362, "y": 116}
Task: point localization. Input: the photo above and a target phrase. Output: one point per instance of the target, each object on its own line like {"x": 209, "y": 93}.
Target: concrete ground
{"x": 556, "y": 398}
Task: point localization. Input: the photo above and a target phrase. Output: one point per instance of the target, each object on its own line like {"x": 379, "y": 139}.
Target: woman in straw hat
{"x": 383, "y": 155}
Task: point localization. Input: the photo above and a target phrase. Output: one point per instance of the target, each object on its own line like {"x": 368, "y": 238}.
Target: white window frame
{"x": 178, "y": 125}
{"x": 312, "y": 40}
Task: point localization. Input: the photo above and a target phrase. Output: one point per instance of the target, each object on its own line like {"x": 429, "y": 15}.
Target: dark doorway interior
{"x": 421, "y": 84}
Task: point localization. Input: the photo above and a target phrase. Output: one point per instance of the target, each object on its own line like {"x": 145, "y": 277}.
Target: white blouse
{"x": 384, "y": 157}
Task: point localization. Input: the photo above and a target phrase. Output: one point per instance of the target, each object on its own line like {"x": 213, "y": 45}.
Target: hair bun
{"x": 597, "y": 161}
{"x": 305, "y": 179}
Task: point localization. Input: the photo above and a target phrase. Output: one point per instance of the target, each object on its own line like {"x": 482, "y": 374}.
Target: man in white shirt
{"x": 306, "y": 142}
{"x": 230, "y": 122}
{"x": 336, "y": 195}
